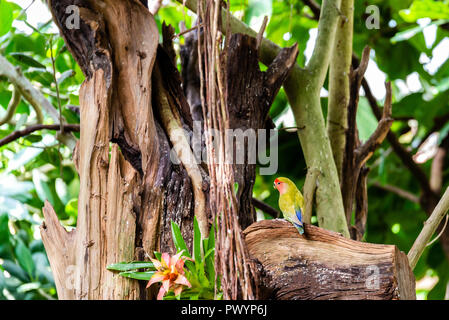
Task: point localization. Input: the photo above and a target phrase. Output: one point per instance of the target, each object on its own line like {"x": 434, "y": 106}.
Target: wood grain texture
{"x": 126, "y": 178}
{"x": 325, "y": 265}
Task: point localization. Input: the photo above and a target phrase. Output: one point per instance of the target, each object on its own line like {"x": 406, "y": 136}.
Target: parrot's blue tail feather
{"x": 299, "y": 214}
{"x": 299, "y": 227}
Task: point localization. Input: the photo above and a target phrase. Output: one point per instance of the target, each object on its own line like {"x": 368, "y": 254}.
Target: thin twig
{"x": 441, "y": 232}
{"x": 261, "y": 31}
{"x": 13, "y": 103}
{"x": 428, "y": 230}
{"x": 265, "y": 208}
{"x": 27, "y": 131}
{"x": 365, "y": 151}
{"x": 187, "y": 31}
{"x": 61, "y": 120}
{"x": 398, "y": 191}
{"x": 315, "y": 7}
{"x": 397, "y": 147}
{"x": 33, "y": 96}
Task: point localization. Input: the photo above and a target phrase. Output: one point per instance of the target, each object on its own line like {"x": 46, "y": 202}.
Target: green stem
{"x": 337, "y": 114}
{"x": 13, "y": 103}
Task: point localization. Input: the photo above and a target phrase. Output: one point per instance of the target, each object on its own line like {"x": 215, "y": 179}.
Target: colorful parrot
{"x": 291, "y": 202}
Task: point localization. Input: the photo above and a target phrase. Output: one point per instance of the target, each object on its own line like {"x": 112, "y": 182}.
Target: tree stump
{"x": 324, "y": 265}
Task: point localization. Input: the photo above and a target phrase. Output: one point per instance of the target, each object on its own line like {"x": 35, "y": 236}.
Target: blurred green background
{"x": 410, "y": 48}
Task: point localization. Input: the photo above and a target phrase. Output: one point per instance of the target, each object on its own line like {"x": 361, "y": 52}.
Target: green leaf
{"x": 443, "y": 133}
{"x": 23, "y": 157}
{"x": 366, "y": 121}
{"x": 425, "y": 9}
{"x": 26, "y": 59}
{"x": 2, "y": 281}
{"x": 42, "y": 187}
{"x": 128, "y": 266}
{"x": 33, "y": 138}
{"x": 23, "y": 255}
{"x": 208, "y": 253}
{"x": 29, "y": 287}
{"x": 34, "y": 43}
{"x": 4, "y": 230}
{"x": 15, "y": 270}
{"x": 211, "y": 239}
{"x": 209, "y": 257}
{"x": 196, "y": 241}
{"x": 40, "y": 75}
{"x": 157, "y": 255}
{"x": 62, "y": 190}
{"x": 6, "y": 17}
{"x": 409, "y": 33}
{"x": 71, "y": 208}
{"x": 178, "y": 240}
{"x": 138, "y": 275}
{"x": 65, "y": 75}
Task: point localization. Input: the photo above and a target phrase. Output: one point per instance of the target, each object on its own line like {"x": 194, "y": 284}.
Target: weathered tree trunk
{"x": 325, "y": 265}
{"x": 130, "y": 103}
{"x": 126, "y": 197}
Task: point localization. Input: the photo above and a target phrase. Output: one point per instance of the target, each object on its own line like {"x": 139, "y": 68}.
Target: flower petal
{"x": 183, "y": 281}
{"x": 174, "y": 259}
{"x": 165, "y": 260}
{"x": 180, "y": 265}
{"x": 161, "y": 293}
{"x": 166, "y": 284}
{"x": 178, "y": 290}
{"x": 157, "y": 277}
{"x": 157, "y": 264}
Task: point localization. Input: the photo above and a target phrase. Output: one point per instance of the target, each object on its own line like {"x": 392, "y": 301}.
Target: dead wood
{"x": 325, "y": 265}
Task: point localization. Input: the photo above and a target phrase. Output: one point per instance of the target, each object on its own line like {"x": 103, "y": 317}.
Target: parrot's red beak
{"x": 275, "y": 183}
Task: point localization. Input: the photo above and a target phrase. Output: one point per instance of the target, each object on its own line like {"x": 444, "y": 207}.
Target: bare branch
{"x": 436, "y": 172}
{"x": 361, "y": 209}
{"x": 13, "y": 103}
{"x": 398, "y": 191}
{"x": 365, "y": 151}
{"x": 29, "y": 130}
{"x": 261, "y": 31}
{"x": 33, "y": 96}
{"x": 397, "y": 147}
{"x": 428, "y": 230}
{"x": 315, "y": 7}
{"x": 265, "y": 208}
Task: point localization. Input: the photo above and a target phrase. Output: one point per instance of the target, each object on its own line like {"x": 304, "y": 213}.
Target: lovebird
{"x": 291, "y": 202}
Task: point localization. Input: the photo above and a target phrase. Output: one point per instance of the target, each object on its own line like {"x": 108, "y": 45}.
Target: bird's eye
{"x": 279, "y": 183}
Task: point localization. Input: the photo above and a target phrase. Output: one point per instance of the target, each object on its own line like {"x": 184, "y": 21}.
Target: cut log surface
{"x": 324, "y": 265}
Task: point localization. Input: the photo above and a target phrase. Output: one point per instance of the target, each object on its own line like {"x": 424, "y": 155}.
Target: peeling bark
{"x": 325, "y": 265}
{"x": 122, "y": 199}
{"x": 130, "y": 190}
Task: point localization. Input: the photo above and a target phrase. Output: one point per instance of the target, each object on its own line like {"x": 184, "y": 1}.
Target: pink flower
{"x": 170, "y": 271}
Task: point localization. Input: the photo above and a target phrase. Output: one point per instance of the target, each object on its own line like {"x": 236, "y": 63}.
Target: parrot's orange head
{"x": 281, "y": 184}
